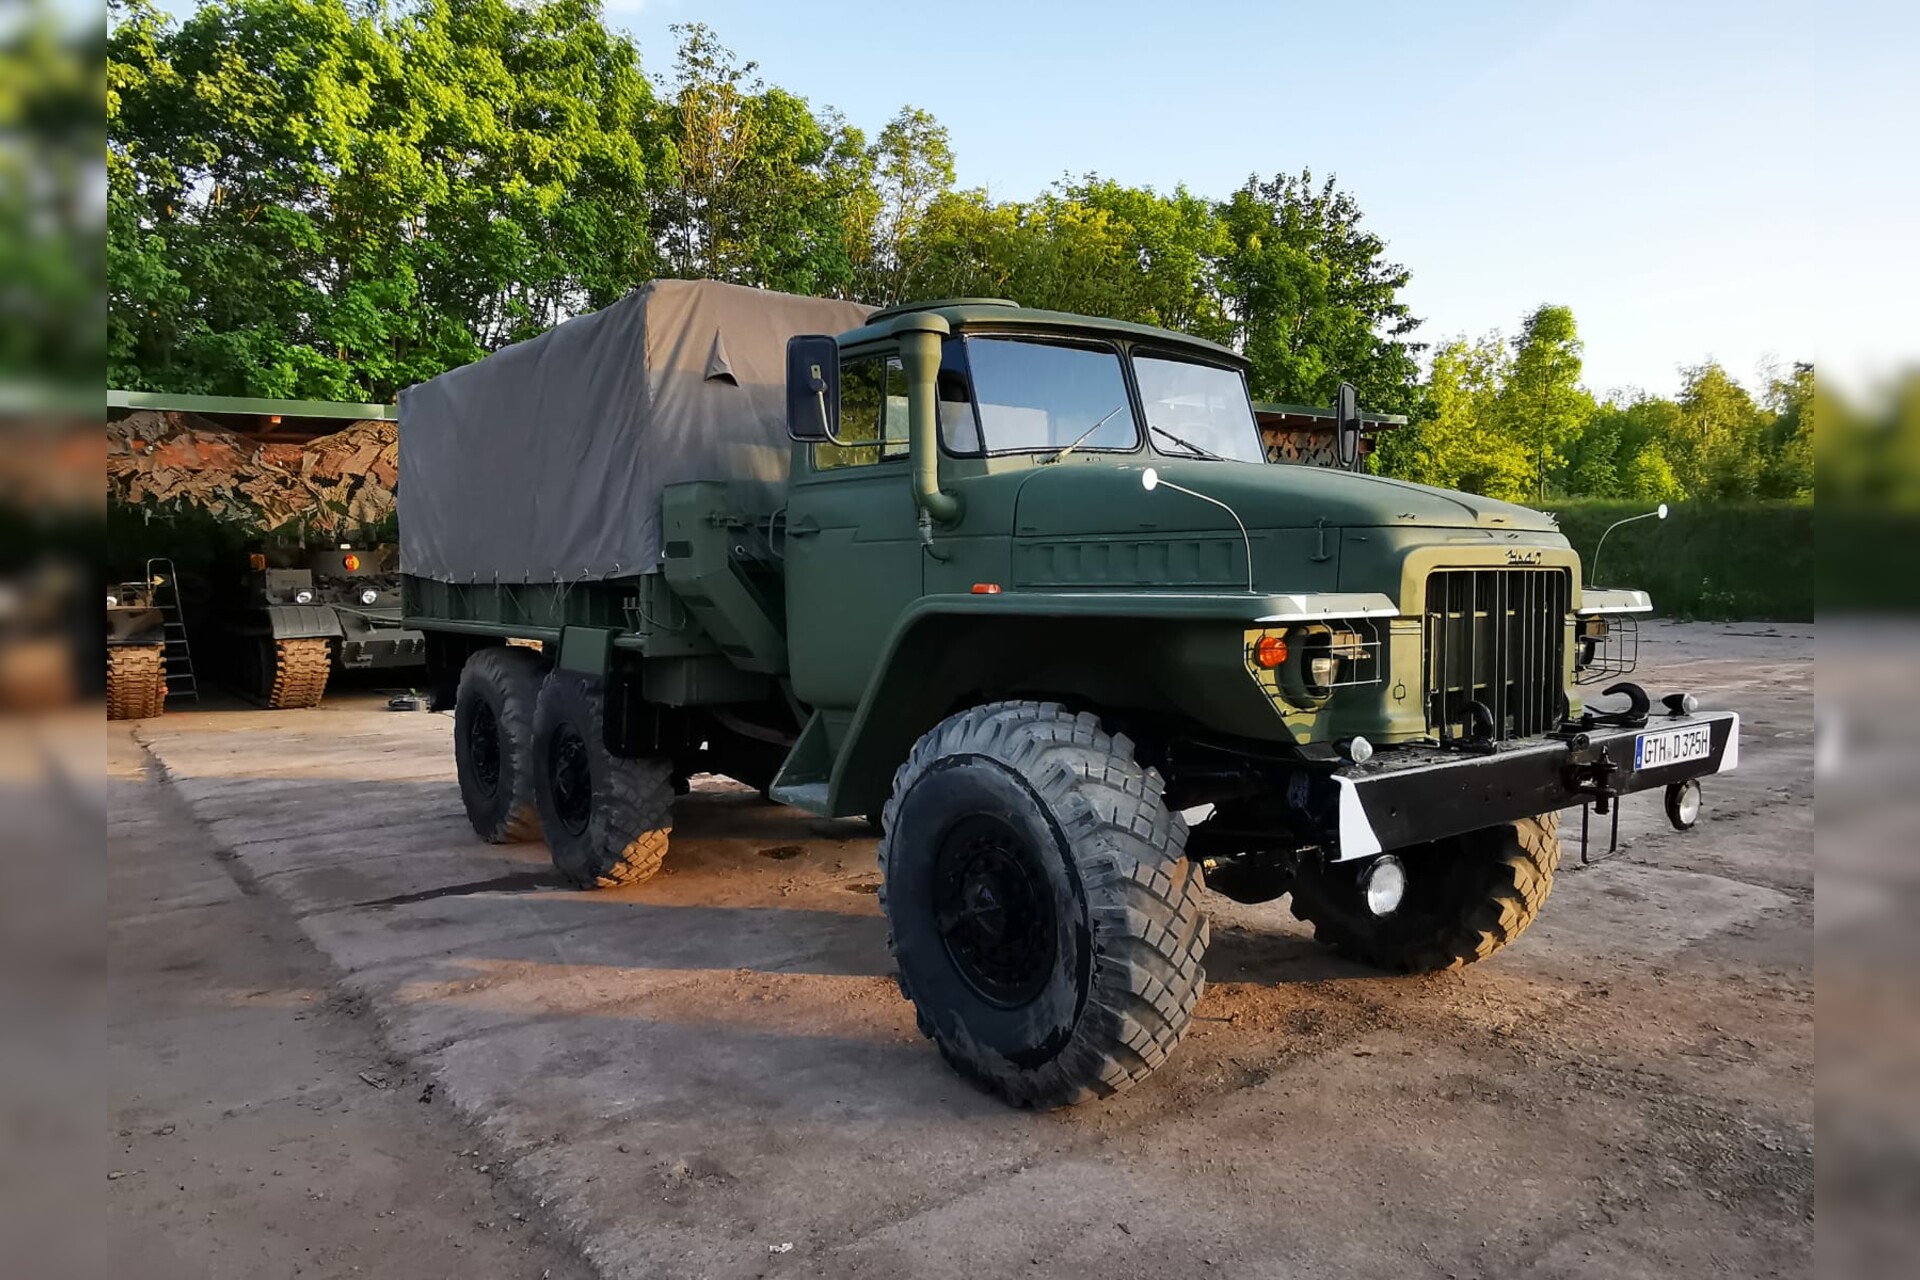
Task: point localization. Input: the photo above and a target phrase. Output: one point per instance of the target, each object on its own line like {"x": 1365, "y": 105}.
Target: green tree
{"x": 1789, "y": 468}
{"x": 755, "y": 184}
{"x": 1313, "y": 299}
{"x": 911, "y": 166}
{"x": 313, "y": 200}
{"x": 1542, "y": 401}
{"x": 1717, "y": 450}
{"x": 1457, "y": 439}
{"x": 1649, "y": 477}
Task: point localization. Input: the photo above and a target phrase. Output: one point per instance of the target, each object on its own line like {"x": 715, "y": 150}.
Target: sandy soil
{"x": 687, "y": 1077}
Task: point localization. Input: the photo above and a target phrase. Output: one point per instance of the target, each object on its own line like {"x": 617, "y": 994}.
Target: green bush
{"x": 1705, "y": 560}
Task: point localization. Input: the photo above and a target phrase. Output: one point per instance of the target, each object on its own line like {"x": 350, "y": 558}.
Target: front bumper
{"x": 1415, "y": 794}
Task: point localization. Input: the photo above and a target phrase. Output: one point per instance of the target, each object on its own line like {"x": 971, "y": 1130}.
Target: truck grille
{"x": 1496, "y": 637}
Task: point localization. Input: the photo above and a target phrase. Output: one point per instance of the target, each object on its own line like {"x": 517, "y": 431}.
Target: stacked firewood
{"x": 331, "y": 485}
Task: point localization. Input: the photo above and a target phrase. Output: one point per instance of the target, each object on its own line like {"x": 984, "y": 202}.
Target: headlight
{"x": 113, "y": 602}
{"x": 1303, "y": 666}
{"x": 303, "y": 597}
{"x": 369, "y": 595}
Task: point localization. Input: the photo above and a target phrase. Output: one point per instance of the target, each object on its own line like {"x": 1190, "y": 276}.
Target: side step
{"x": 804, "y": 778}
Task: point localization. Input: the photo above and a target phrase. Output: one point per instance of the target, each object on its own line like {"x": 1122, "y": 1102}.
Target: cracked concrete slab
{"x": 693, "y": 1071}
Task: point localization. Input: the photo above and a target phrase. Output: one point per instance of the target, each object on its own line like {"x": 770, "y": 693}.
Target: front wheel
{"x": 607, "y": 818}
{"x": 1466, "y": 897}
{"x": 1039, "y": 903}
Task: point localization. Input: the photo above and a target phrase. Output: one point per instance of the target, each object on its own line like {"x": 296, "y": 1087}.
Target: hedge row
{"x": 1734, "y": 560}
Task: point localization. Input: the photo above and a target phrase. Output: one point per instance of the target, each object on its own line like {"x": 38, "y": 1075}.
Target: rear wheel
{"x": 1039, "y": 904}
{"x": 136, "y": 681}
{"x": 607, "y": 818}
{"x": 493, "y": 742}
{"x": 1466, "y": 897}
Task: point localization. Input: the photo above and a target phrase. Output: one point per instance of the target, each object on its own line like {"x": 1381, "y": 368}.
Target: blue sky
{"x": 1694, "y": 178}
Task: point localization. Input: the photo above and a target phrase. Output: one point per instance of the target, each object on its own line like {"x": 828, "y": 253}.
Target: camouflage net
{"x": 331, "y": 485}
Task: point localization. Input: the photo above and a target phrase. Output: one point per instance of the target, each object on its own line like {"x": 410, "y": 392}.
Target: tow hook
{"x": 1592, "y": 771}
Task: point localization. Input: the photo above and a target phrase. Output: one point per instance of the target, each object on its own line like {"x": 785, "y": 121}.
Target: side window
{"x": 893, "y": 423}
{"x": 861, "y": 397}
{"x": 957, "y": 427}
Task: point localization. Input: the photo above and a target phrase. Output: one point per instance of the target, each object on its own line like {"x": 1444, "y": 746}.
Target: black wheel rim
{"x": 483, "y": 749}
{"x": 572, "y": 779}
{"x": 993, "y": 908}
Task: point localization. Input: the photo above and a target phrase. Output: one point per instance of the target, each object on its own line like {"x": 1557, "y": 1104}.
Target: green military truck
{"x": 1021, "y": 586}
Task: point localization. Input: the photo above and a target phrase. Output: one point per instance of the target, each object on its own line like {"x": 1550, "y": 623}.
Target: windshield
{"x": 1194, "y": 410}
{"x": 1048, "y": 395}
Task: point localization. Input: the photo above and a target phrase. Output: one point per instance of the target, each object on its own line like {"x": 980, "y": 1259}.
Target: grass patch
{"x": 1705, "y": 560}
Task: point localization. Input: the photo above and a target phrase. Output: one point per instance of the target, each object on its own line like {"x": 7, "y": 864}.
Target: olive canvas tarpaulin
{"x": 545, "y": 461}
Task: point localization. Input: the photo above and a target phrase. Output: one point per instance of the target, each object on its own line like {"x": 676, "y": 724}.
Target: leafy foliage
{"x": 313, "y": 198}
{"x": 335, "y": 199}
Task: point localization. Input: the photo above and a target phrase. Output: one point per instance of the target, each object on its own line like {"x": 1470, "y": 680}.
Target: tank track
{"x": 300, "y": 670}
{"x": 136, "y": 681}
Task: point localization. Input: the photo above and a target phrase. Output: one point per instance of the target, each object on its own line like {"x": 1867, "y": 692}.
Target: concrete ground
{"x": 712, "y": 1074}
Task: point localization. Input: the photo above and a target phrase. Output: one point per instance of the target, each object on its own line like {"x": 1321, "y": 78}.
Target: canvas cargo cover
{"x": 545, "y": 461}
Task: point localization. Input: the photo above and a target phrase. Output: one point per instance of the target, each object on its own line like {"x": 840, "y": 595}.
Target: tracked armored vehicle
{"x": 1023, "y": 585}
{"x": 136, "y": 653}
{"x": 305, "y": 612}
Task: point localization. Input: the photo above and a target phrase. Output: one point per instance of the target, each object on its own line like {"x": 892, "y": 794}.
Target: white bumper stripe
{"x": 1357, "y": 838}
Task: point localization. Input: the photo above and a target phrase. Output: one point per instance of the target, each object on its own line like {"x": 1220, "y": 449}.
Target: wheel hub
{"x": 483, "y": 749}
{"x": 994, "y": 910}
{"x": 572, "y": 779}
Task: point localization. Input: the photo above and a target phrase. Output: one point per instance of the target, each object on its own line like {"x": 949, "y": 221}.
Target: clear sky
{"x": 1694, "y": 178}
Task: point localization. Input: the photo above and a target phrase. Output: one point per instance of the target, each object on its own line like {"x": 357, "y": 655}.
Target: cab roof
{"x": 1001, "y": 315}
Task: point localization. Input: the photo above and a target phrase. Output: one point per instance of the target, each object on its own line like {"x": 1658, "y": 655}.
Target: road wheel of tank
{"x": 136, "y": 681}
{"x": 493, "y": 742}
{"x": 1466, "y": 897}
{"x": 1040, "y": 905}
{"x": 607, "y": 818}
{"x": 294, "y": 672}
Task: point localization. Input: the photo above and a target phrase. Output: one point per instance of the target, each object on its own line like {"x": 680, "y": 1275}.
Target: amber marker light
{"x": 1269, "y": 652}
{"x": 352, "y": 563}
{"x": 986, "y": 588}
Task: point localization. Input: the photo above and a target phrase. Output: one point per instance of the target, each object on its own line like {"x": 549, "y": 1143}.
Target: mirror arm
{"x": 920, "y": 335}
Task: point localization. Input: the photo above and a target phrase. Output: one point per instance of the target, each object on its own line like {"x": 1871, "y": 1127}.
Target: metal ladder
{"x": 177, "y": 656}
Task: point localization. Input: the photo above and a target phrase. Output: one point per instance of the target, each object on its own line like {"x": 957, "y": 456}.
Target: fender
{"x": 302, "y": 621}
{"x": 901, "y": 702}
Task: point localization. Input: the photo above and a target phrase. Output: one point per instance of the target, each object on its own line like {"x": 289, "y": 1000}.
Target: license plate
{"x": 1672, "y": 746}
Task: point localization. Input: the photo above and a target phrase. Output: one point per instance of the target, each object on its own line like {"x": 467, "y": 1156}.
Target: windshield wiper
{"x": 1081, "y": 438}
{"x": 1185, "y": 444}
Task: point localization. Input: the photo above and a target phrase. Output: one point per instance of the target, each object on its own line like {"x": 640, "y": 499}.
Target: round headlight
{"x": 303, "y": 597}
{"x": 113, "y": 602}
{"x": 1385, "y": 885}
{"x": 1359, "y": 750}
{"x": 369, "y": 595}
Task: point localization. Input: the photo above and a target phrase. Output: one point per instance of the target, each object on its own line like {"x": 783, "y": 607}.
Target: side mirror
{"x": 813, "y": 387}
{"x": 1346, "y": 425}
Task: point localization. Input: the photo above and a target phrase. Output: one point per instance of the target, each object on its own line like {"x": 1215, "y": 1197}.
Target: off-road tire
{"x": 136, "y": 681}
{"x": 622, "y": 836}
{"x": 1128, "y": 934}
{"x": 1467, "y": 897}
{"x": 298, "y": 676}
{"x": 495, "y": 699}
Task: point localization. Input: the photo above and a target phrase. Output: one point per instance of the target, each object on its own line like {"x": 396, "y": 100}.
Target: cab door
{"x": 853, "y": 555}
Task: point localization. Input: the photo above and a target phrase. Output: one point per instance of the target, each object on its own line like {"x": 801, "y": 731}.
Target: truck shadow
{"x": 1260, "y": 958}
